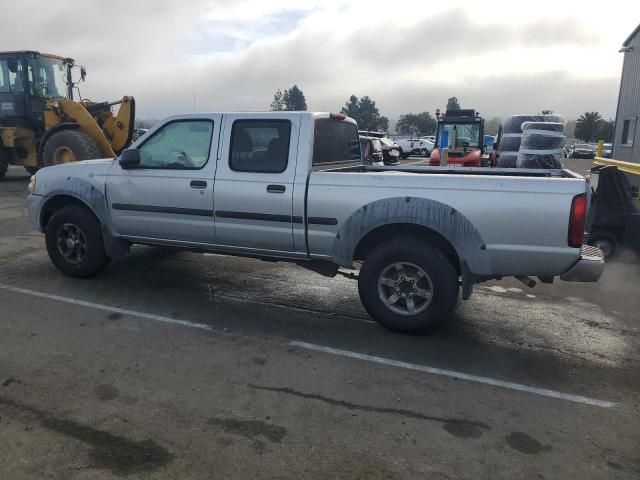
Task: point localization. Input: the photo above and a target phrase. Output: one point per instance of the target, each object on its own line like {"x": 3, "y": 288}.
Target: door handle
{"x": 198, "y": 184}
{"x": 276, "y": 188}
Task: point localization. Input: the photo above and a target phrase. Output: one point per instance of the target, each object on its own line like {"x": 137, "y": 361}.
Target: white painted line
{"x": 108, "y": 308}
{"x": 458, "y": 375}
{"x": 320, "y": 348}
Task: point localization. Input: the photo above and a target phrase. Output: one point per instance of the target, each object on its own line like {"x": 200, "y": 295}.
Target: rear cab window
{"x": 336, "y": 144}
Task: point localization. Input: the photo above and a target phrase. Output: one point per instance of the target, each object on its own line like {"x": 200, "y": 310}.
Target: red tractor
{"x": 466, "y": 134}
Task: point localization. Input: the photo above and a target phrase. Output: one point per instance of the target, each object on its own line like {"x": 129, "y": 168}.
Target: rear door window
{"x": 260, "y": 146}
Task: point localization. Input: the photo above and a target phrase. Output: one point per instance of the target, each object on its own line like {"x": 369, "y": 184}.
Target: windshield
{"x": 463, "y": 135}
{"x": 48, "y": 77}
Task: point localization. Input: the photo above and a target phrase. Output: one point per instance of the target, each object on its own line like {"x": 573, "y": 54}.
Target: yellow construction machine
{"x": 41, "y": 124}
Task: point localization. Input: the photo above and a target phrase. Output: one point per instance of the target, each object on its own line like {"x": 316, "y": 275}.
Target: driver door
{"x": 170, "y": 195}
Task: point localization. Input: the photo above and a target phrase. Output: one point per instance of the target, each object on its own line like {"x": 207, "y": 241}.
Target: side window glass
{"x": 179, "y": 145}
{"x": 11, "y": 78}
{"x": 260, "y": 146}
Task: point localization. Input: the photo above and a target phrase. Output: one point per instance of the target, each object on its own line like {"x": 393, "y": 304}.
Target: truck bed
{"x": 507, "y": 172}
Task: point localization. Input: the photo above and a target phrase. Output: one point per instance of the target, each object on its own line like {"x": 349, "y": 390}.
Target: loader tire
{"x": 4, "y": 163}
{"x": 69, "y": 146}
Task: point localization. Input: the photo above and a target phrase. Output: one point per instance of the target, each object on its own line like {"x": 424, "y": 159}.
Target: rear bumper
{"x": 588, "y": 268}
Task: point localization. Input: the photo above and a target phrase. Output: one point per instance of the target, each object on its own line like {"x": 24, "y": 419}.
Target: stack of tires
{"x": 541, "y": 145}
{"x": 512, "y": 136}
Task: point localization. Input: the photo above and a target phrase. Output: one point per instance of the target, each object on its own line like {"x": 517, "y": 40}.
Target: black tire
{"x": 94, "y": 258}
{"x": 606, "y": 242}
{"x": 510, "y": 144}
{"x": 507, "y": 160}
{"x": 426, "y": 256}
{"x": 4, "y": 162}
{"x": 82, "y": 146}
{"x": 513, "y": 124}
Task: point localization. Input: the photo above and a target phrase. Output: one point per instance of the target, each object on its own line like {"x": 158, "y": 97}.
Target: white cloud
{"x": 499, "y": 57}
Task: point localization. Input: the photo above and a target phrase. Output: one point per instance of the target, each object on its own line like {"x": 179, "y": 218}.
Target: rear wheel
{"x": 408, "y": 285}
{"x": 69, "y": 146}
{"x": 74, "y": 242}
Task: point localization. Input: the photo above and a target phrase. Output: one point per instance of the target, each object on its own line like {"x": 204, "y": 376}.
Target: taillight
{"x": 577, "y": 219}
{"x": 337, "y": 116}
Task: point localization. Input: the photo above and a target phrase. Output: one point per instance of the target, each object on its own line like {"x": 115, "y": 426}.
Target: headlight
{"x": 32, "y": 184}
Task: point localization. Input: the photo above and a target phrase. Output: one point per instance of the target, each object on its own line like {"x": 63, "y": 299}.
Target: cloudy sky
{"x": 496, "y": 56}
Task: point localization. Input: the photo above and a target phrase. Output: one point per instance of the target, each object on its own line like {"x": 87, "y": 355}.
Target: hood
{"x": 98, "y": 166}
{"x": 82, "y": 168}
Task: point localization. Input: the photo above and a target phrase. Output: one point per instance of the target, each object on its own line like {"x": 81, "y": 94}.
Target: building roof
{"x": 630, "y": 37}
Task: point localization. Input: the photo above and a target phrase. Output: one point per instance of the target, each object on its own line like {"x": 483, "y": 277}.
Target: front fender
{"x": 437, "y": 216}
{"x": 83, "y": 191}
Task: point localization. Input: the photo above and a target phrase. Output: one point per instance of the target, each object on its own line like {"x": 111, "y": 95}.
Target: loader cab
{"x": 28, "y": 81}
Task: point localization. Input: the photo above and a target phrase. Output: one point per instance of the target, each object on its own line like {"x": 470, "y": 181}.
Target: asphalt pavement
{"x": 179, "y": 365}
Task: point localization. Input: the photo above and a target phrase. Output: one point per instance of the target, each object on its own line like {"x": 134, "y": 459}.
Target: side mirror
{"x": 83, "y": 73}
{"x": 129, "y": 158}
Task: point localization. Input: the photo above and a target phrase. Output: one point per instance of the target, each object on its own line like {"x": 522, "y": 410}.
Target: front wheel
{"x": 74, "y": 242}
{"x": 408, "y": 285}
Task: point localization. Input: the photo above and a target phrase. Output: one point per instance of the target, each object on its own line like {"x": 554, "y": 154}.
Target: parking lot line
{"x": 457, "y": 375}
{"x": 108, "y": 308}
{"x": 334, "y": 351}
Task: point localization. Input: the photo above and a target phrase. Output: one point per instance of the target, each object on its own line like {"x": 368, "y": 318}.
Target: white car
{"x": 415, "y": 146}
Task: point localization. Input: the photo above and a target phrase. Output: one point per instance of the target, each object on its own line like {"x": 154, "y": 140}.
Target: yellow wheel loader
{"x": 41, "y": 124}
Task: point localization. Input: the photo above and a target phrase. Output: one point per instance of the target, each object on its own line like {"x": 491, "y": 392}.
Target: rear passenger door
{"x": 254, "y": 182}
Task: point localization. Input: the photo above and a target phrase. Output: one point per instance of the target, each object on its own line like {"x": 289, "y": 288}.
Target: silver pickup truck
{"x": 289, "y": 186}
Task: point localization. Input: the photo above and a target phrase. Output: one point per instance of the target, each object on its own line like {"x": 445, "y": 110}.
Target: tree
{"x": 416, "y": 124}
{"x": 277, "y": 104}
{"x": 294, "y": 100}
{"x": 453, "y": 104}
{"x": 607, "y": 130}
{"x": 546, "y": 112}
{"x": 364, "y": 111}
{"x": 290, "y": 100}
{"x": 383, "y": 124}
{"x": 570, "y": 128}
{"x": 588, "y": 126}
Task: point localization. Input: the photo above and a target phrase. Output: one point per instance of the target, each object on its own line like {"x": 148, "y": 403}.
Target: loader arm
{"x": 70, "y": 111}
{"x": 119, "y": 128}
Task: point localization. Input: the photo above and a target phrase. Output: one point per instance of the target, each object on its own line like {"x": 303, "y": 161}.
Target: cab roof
{"x": 33, "y": 52}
